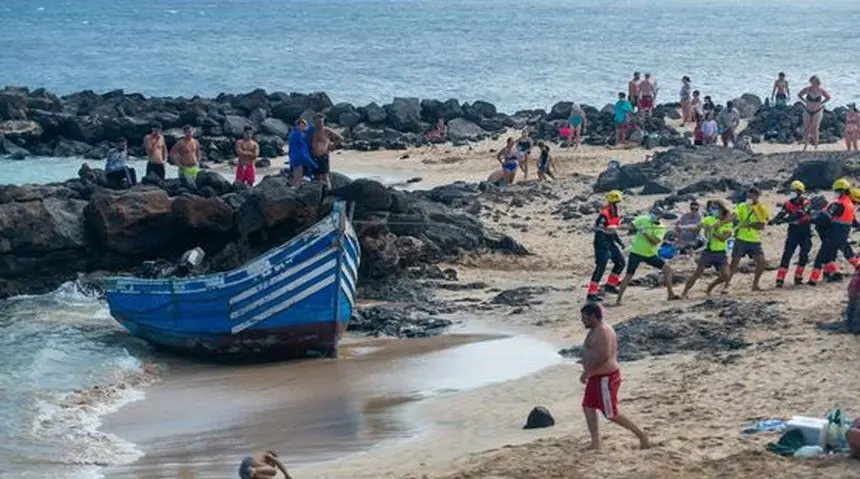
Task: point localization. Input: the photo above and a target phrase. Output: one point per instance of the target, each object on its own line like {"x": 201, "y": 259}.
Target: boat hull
{"x": 294, "y": 300}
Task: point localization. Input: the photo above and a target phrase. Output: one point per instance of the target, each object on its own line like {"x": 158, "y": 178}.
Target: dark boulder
{"x": 404, "y": 114}
{"x": 214, "y": 180}
{"x": 431, "y": 110}
{"x": 132, "y": 222}
{"x": 463, "y": 129}
{"x": 560, "y": 111}
{"x": 374, "y": 113}
{"x": 234, "y": 126}
{"x": 276, "y": 127}
{"x": 345, "y": 115}
{"x": 819, "y": 174}
{"x": 274, "y": 200}
{"x": 538, "y": 418}
{"x": 13, "y": 104}
{"x": 203, "y": 214}
{"x": 367, "y": 194}
{"x": 654, "y": 187}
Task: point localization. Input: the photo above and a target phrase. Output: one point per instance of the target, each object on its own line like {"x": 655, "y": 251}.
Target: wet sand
{"x": 203, "y": 419}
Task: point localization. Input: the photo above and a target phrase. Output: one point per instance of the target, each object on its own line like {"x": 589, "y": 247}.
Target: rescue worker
{"x": 648, "y": 235}
{"x": 607, "y": 245}
{"x": 836, "y": 221}
{"x": 797, "y": 212}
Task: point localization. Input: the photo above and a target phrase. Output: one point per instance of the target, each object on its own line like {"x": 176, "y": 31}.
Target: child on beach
{"x": 545, "y": 163}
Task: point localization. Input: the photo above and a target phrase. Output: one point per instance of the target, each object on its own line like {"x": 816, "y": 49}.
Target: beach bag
{"x": 539, "y": 417}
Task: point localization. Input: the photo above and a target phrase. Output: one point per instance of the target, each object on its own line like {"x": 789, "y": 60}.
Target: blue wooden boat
{"x": 294, "y": 300}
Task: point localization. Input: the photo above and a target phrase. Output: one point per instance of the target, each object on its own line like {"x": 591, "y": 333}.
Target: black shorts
{"x": 323, "y": 164}
{"x": 634, "y": 260}
{"x": 155, "y": 168}
{"x": 716, "y": 259}
{"x": 743, "y": 248}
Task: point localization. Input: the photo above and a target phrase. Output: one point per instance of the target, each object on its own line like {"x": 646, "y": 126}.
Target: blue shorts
{"x": 543, "y": 167}
{"x": 510, "y": 166}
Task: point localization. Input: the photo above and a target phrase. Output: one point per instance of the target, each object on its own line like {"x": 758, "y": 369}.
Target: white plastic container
{"x": 814, "y": 429}
{"x": 809, "y": 452}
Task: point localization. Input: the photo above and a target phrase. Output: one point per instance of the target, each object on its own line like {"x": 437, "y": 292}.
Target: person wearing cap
{"x": 607, "y": 246}
{"x": 717, "y": 227}
{"x": 262, "y": 465}
{"x": 797, "y": 212}
{"x": 648, "y": 235}
{"x": 836, "y": 221}
{"x": 751, "y": 217}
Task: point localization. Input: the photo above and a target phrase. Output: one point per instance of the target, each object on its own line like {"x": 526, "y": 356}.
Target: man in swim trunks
{"x": 602, "y": 376}
{"x": 648, "y": 94}
{"x": 156, "y": 151}
{"x": 322, "y": 138}
{"x": 247, "y": 150}
{"x": 262, "y": 465}
{"x": 779, "y": 95}
{"x": 186, "y": 154}
{"x": 578, "y": 124}
{"x": 633, "y": 89}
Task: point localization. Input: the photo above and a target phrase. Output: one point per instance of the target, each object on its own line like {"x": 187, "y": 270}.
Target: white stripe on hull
{"x": 284, "y": 305}
{"x": 283, "y": 290}
{"x": 346, "y": 291}
{"x": 281, "y": 276}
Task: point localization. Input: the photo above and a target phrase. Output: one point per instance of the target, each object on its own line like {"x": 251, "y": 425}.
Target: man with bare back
{"x": 321, "y": 144}
{"x": 186, "y": 155}
{"x": 602, "y": 376}
{"x": 262, "y": 465}
{"x": 156, "y": 151}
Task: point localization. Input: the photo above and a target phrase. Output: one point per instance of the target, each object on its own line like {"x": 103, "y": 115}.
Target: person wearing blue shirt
{"x": 622, "y": 111}
{"x": 301, "y": 163}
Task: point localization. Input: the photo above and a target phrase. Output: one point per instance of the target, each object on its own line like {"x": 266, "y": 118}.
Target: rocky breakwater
{"x": 41, "y": 123}
{"x": 681, "y": 174}
{"x": 50, "y": 233}
{"x": 785, "y": 124}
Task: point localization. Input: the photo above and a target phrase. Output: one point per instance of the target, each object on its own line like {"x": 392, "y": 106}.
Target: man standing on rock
{"x": 602, "y": 376}
{"x": 633, "y": 89}
{"x": 156, "y": 151}
{"x": 644, "y": 248}
{"x": 321, "y": 145}
{"x": 247, "y": 150}
{"x": 186, "y": 154}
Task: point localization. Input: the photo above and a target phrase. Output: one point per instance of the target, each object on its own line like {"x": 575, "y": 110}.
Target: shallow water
{"x": 312, "y": 411}
{"x": 513, "y": 53}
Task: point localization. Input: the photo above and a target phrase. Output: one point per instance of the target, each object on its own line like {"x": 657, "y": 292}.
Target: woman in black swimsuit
{"x": 813, "y": 97}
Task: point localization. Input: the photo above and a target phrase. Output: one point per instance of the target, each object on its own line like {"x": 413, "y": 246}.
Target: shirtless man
{"x": 633, "y": 89}
{"x": 186, "y": 154}
{"x": 602, "y": 376}
{"x": 247, "y": 150}
{"x": 321, "y": 143}
{"x": 156, "y": 151}
{"x": 262, "y": 465}
{"x": 647, "y": 94}
{"x": 780, "y": 94}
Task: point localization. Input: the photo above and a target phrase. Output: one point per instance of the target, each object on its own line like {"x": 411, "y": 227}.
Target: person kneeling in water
{"x": 262, "y": 465}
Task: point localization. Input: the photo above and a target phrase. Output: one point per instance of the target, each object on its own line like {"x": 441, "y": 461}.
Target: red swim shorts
{"x": 601, "y": 393}
{"x": 646, "y": 102}
{"x": 246, "y": 173}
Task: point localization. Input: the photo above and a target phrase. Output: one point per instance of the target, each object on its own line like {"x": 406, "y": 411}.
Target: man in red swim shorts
{"x": 602, "y": 376}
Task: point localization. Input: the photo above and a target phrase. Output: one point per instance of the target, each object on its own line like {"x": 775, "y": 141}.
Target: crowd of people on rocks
{"x": 309, "y": 149}
{"x": 722, "y": 236}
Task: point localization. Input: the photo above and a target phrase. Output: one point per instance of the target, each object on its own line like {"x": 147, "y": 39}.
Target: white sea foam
{"x": 74, "y": 419}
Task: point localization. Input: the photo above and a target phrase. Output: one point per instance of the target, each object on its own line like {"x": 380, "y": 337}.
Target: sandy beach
{"x": 325, "y": 416}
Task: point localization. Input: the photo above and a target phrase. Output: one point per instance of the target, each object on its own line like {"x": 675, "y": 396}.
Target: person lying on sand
{"x": 262, "y": 465}
{"x": 602, "y": 376}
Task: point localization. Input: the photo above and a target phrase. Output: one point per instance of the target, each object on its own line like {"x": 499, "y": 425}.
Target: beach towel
{"x": 788, "y": 444}
{"x": 299, "y": 153}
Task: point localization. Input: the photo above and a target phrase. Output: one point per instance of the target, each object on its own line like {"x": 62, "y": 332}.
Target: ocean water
{"x": 514, "y": 53}
{"x": 64, "y": 363}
